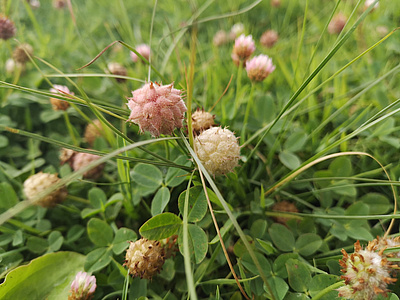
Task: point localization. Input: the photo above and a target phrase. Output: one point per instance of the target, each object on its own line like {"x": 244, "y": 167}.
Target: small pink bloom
{"x": 269, "y": 38}
{"x": 143, "y": 50}
{"x": 156, "y": 108}
{"x": 61, "y": 89}
{"x": 82, "y": 287}
{"x": 337, "y": 24}
{"x": 242, "y": 49}
{"x": 259, "y": 67}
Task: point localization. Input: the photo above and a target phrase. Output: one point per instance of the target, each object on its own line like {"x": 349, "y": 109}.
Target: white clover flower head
{"x": 38, "y": 183}
{"x": 10, "y": 65}
{"x": 242, "y": 49}
{"x": 236, "y": 30}
{"x": 83, "y": 287}
{"x": 156, "y": 108}
{"x": 368, "y": 3}
{"x": 218, "y": 150}
{"x": 259, "y": 67}
{"x": 366, "y": 273}
{"x": 143, "y": 50}
{"x": 144, "y": 258}
{"x": 202, "y": 120}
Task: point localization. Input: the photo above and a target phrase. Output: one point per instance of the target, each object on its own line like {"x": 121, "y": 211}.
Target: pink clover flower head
{"x": 337, "y": 24}
{"x": 368, "y": 3}
{"x": 242, "y": 49}
{"x": 143, "y": 50}
{"x": 259, "y": 67}
{"x": 83, "y": 287}
{"x": 156, "y": 108}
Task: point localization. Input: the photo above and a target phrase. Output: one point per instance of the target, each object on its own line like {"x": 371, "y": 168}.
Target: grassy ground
{"x": 319, "y": 138}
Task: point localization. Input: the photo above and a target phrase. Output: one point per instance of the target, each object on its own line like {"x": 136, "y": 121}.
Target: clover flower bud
{"x": 337, "y": 24}
{"x": 117, "y": 69}
{"x": 236, "y": 30}
{"x": 242, "y": 49}
{"x": 202, "y": 120}
{"x": 22, "y": 53}
{"x": 38, "y": 183}
{"x": 259, "y": 67}
{"x": 7, "y": 28}
{"x": 83, "y": 287}
{"x": 269, "y": 38}
{"x": 218, "y": 150}
{"x": 58, "y": 104}
{"x": 156, "y": 108}
{"x": 144, "y": 258}
{"x": 66, "y": 155}
{"x": 143, "y": 50}
{"x": 82, "y": 159}
{"x": 220, "y": 38}
{"x": 366, "y": 273}
{"x": 93, "y": 131}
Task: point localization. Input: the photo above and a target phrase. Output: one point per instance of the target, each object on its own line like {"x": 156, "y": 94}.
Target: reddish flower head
{"x": 156, "y": 108}
{"x": 243, "y": 48}
{"x": 143, "y": 50}
{"x": 259, "y": 67}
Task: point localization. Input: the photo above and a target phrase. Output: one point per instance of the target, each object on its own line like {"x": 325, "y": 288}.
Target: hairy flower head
{"x": 259, "y": 67}
{"x": 242, "y": 49}
{"x": 156, "y": 108}
{"x": 83, "y": 287}
{"x": 143, "y": 50}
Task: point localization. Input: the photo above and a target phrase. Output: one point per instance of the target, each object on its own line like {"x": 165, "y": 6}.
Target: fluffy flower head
{"x": 337, "y": 24}
{"x": 220, "y": 38}
{"x": 143, "y": 50}
{"x": 242, "y": 49}
{"x": 218, "y": 150}
{"x": 202, "y": 120}
{"x": 259, "y": 67}
{"x": 56, "y": 103}
{"x": 269, "y": 38}
{"x": 144, "y": 258}
{"x": 7, "y": 28}
{"x": 22, "y": 52}
{"x": 156, "y": 108}
{"x": 83, "y": 287}
{"x": 117, "y": 69}
{"x": 366, "y": 273}
{"x": 38, "y": 183}
{"x": 81, "y": 159}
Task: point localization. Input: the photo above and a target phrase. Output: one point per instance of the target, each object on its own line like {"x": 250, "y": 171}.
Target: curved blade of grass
{"x": 24, "y": 204}
{"x": 96, "y": 152}
{"x": 229, "y": 213}
{"x": 79, "y": 75}
{"x": 186, "y": 257}
{"x": 308, "y": 80}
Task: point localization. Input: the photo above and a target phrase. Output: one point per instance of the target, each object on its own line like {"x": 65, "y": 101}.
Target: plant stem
{"x": 328, "y": 289}
{"x": 238, "y": 89}
{"x": 70, "y": 129}
{"x": 246, "y": 116}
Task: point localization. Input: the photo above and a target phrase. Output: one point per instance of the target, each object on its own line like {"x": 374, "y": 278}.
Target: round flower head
{"x": 259, "y": 67}
{"x": 59, "y": 104}
{"x": 144, "y": 258}
{"x": 366, "y": 273}
{"x": 242, "y": 49}
{"x": 337, "y": 24}
{"x": 117, "y": 69}
{"x": 156, "y": 108}
{"x": 59, "y": 4}
{"x": 202, "y": 120}
{"x": 66, "y": 155}
{"x": 93, "y": 131}
{"x": 275, "y": 3}
{"x": 83, "y": 287}
{"x": 218, "y": 150}
{"x": 38, "y": 183}
{"x": 236, "y": 30}
{"x": 22, "y": 53}
{"x": 35, "y": 4}
{"x": 143, "y": 50}
{"x": 82, "y": 159}
{"x": 269, "y": 38}
{"x": 368, "y": 3}
{"x": 7, "y": 28}
{"x": 220, "y": 38}
{"x": 10, "y": 65}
